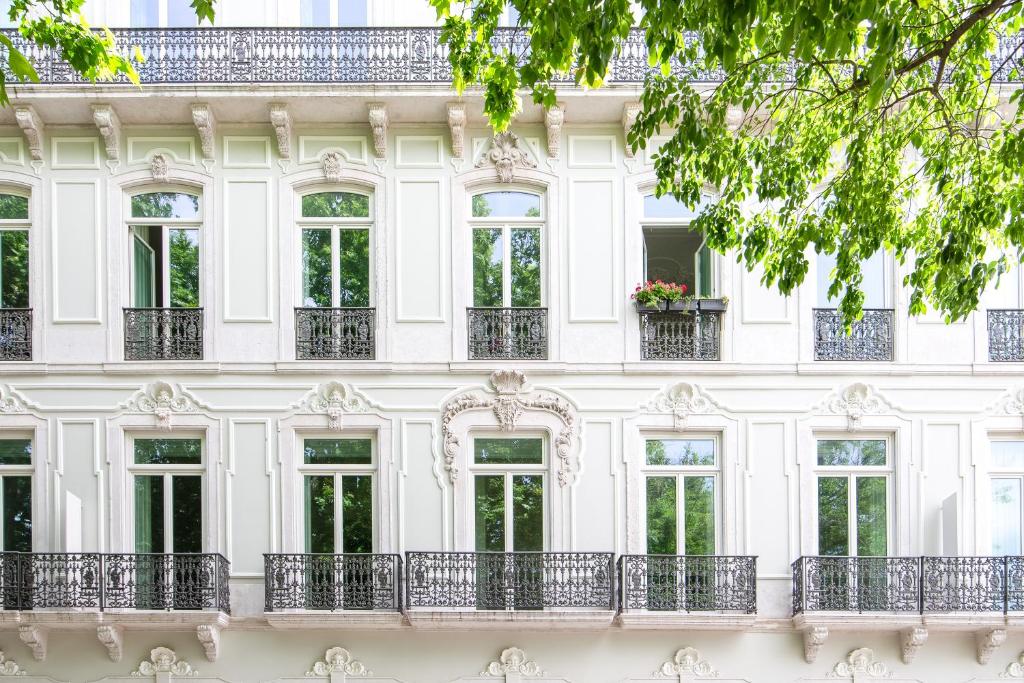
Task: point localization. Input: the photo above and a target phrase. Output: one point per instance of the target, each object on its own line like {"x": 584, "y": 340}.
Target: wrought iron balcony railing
{"x": 908, "y": 584}
{"x": 335, "y": 333}
{"x": 681, "y": 335}
{"x": 510, "y": 581}
{"x": 333, "y": 582}
{"x": 870, "y": 338}
{"x": 508, "y": 333}
{"x": 1006, "y": 335}
{"x": 163, "y": 334}
{"x": 695, "y": 583}
{"x": 102, "y": 581}
{"x": 16, "y": 334}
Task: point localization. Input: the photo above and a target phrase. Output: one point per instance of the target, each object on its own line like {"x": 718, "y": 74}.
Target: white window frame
{"x": 337, "y": 472}
{"x": 336, "y": 225}
{"x": 335, "y": 16}
{"x": 506, "y": 224}
{"x": 677, "y": 222}
{"x": 165, "y": 225}
{"x": 1005, "y": 473}
{"x": 27, "y": 470}
{"x": 508, "y": 471}
{"x": 888, "y": 279}
{"x": 21, "y": 225}
{"x": 680, "y": 472}
{"x": 162, "y": 16}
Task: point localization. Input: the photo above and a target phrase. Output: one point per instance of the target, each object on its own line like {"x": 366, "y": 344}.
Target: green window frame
{"x": 339, "y": 494}
{"x": 16, "y": 497}
{"x": 336, "y": 248}
{"x": 509, "y": 490}
{"x": 681, "y": 494}
{"x": 168, "y": 493}
{"x": 166, "y": 250}
{"x": 853, "y": 495}
{"x": 507, "y": 247}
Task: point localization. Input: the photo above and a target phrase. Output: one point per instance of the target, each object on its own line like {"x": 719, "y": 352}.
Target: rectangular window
{"x": 336, "y": 249}
{"x": 509, "y": 494}
{"x": 875, "y": 283}
{"x": 681, "y": 497}
{"x": 853, "y": 497}
{"x": 16, "y": 494}
{"x": 679, "y": 255}
{"x": 339, "y": 495}
{"x": 352, "y": 12}
{"x": 165, "y": 250}
{"x": 168, "y": 495}
{"x": 508, "y": 451}
{"x": 1007, "y": 483}
{"x": 180, "y": 13}
{"x": 507, "y": 250}
{"x": 14, "y": 269}
{"x": 145, "y": 14}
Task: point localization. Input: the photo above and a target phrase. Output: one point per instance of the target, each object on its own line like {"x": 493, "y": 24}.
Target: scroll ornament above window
{"x": 333, "y": 399}
{"x": 338, "y": 660}
{"x": 855, "y": 401}
{"x": 163, "y": 660}
{"x": 162, "y": 400}
{"x": 682, "y": 400}
{"x": 506, "y": 153}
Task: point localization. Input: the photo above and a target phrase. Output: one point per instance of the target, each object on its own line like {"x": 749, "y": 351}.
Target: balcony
{"x": 1006, "y": 335}
{"x": 15, "y": 334}
{"x": 335, "y": 333}
{"x": 489, "y": 589}
{"x": 508, "y": 333}
{"x": 676, "y": 591}
{"x": 163, "y": 334}
{"x": 352, "y": 589}
{"x": 681, "y": 335}
{"x": 870, "y": 338}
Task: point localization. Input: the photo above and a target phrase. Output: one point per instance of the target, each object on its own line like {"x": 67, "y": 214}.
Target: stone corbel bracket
{"x": 105, "y": 118}
{"x": 630, "y": 111}
{"x": 814, "y": 638}
{"x": 281, "y": 120}
{"x": 112, "y": 638}
{"x": 209, "y": 638}
{"x": 32, "y": 128}
{"x": 457, "y": 126}
{"x": 988, "y": 642}
{"x": 378, "y": 115}
{"x": 206, "y": 126}
{"x": 912, "y": 640}
{"x": 35, "y": 637}
{"x": 554, "y": 117}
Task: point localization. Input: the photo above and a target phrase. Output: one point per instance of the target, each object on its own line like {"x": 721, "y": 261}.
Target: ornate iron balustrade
{"x": 163, "y": 334}
{"x": 16, "y": 334}
{"x": 335, "y": 333}
{"x": 1006, "y": 335}
{"x": 182, "y": 581}
{"x": 870, "y": 338}
{"x": 681, "y": 335}
{"x": 680, "y": 583}
{"x": 508, "y": 333}
{"x": 333, "y": 582}
{"x": 510, "y": 581}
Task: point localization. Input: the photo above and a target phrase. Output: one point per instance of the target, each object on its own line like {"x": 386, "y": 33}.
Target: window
{"x": 157, "y": 13}
{"x": 168, "y": 482}
{"x": 673, "y": 252}
{"x": 853, "y": 497}
{"x": 876, "y": 283}
{"x": 681, "y": 477}
{"x": 16, "y": 495}
{"x": 165, "y": 250}
{"x": 14, "y": 260}
{"x": 338, "y": 493}
{"x": 336, "y": 250}
{"x": 333, "y": 13}
{"x": 508, "y": 494}
{"x": 506, "y": 229}
{"x": 1007, "y": 471}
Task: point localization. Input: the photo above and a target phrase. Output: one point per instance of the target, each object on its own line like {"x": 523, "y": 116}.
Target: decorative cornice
{"x": 513, "y": 661}
{"x": 858, "y": 664}
{"x": 105, "y": 118}
{"x": 206, "y": 126}
{"x": 681, "y": 400}
{"x": 333, "y": 399}
{"x": 688, "y": 660}
{"x": 340, "y": 660}
{"x": 112, "y": 638}
{"x": 507, "y": 153}
{"x": 32, "y": 127}
{"x": 9, "y": 667}
{"x": 163, "y": 400}
{"x": 457, "y": 126}
{"x": 378, "y": 114}
{"x": 554, "y": 117}
{"x": 164, "y": 660}
{"x": 36, "y": 638}
{"x": 281, "y": 120}
{"x": 630, "y": 111}
{"x": 855, "y": 401}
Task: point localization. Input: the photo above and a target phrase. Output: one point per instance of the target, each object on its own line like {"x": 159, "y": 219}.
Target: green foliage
{"x": 184, "y": 258}
{"x": 859, "y": 126}
{"x": 487, "y": 269}
{"x": 14, "y": 269}
{"x": 13, "y": 207}
{"x": 335, "y": 205}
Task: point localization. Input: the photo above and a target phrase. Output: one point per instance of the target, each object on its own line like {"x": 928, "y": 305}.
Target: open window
{"x": 165, "y": 250}
{"x": 673, "y": 251}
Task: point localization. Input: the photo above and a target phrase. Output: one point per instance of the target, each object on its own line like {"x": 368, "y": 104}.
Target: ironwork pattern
{"x": 1006, "y": 335}
{"x": 681, "y": 335}
{"x": 333, "y": 582}
{"x": 335, "y": 333}
{"x": 510, "y": 581}
{"x": 163, "y": 334}
{"x": 181, "y": 581}
{"x": 679, "y": 583}
{"x": 16, "y": 334}
{"x": 964, "y": 584}
{"x": 508, "y": 333}
{"x": 870, "y": 338}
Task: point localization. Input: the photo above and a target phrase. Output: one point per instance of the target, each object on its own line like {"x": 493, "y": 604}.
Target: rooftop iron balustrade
{"x": 869, "y": 339}
{"x": 333, "y": 582}
{"x": 688, "y": 583}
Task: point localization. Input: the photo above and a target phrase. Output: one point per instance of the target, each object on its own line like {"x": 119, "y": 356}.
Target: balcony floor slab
{"x": 496, "y": 620}
{"x": 342, "y": 619}
{"x": 85, "y": 619}
{"x": 683, "y": 621}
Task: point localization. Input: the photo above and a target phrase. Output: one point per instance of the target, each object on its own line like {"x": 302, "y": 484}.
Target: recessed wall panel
{"x": 76, "y": 249}
{"x": 419, "y": 251}
{"x": 248, "y": 272}
{"x": 592, "y": 290}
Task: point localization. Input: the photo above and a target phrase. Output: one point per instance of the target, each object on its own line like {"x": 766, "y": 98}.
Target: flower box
{"x": 712, "y": 305}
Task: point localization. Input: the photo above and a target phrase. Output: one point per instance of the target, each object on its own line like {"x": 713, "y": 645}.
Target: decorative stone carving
{"x": 1013, "y": 669}
{"x": 1011, "y": 403}
{"x": 105, "y": 118}
{"x": 281, "y": 120}
{"x": 686, "y": 661}
{"x": 681, "y": 400}
{"x": 159, "y": 167}
{"x": 457, "y": 126}
{"x": 450, "y": 442}
{"x": 513, "y": 661}
{"x": 856, "y": 401}
{"x": 554, "y": 117}
{"x": 379, "y": 126}
{"x": 734, "y": 118}
{"x": 206, "y": 125}
{"x": 507, "y": 153}
{"x": 164, "y": 660}
{"x": 209, "y": 638}
{"x": 859, "y": 664}
{"x": 36, "y": 638}
{"x": 8, "y": 667}
{"x": 333, "y": 399}
{"x": 911, "y": 640}
{"x": 988, "y": 642}
{"x": 112, "y": 638}
{"x": 339, "y": 660}
{"x": 331, "y": 163}
{"x": 630, "y": 111}
{"x": 163, "y": 400}
{"x": 814, "y": 638}
{"x": 32, "y": 127}
{"x": 10, "y": 403}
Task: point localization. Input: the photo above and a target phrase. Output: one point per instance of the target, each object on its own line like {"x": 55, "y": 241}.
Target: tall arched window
{"x": 673, "y": 252}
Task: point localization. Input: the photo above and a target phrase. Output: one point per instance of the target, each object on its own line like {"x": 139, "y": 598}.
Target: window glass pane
{"x": 337, "y": 451}
{"x": 18, "y": 514}
{"x": 12, "y": 206}
{"x": 506, "y": 204}
{"x": 165, "y": 205}
{"x": 144, "y": 284}
{"x": 187, "y": 513}
{"x": 14, "y": 269}
{"x": 5, "y": 14}
{"x": 184, "y": 263}
{"x": 316, "y": 268}
{"x": 705, "y": 280}
{"x": 354, "y": 248}
{"x": 872, "y": 525}
{"x": 1008, "y": 454}
{"x": 15, "y": 451}
{"x": 699, "y": 504}
{"x": 873, "y": 285}
{"x": 526, "y": 267}
{"x": 315, "y": 13}
{"x": 181, "y": 13}
{"x": 357, "y": 514}
{"x": 168, "y": 451}
{"x": 852, "y": 452}
{"x": 508, "y": 451}
{"x": 145, "y": 14}
{"x": 671, "y": 255}
{"x": 661, "y": 516}
{"x": 149, "y": 514}
{"x": 667, "y": 207}
{"x": 336, "y": 205}
{"x": 488, "y": 252}
{"x": 833, "y": 516}
{"x": 527, "y": 512}
{"x": 1006, "y": 516}
{"x": 352, "y": 12}
{"x": 319, "y": 514}
{"x": 681, "y": 452}
{"x": 489, "y": 510}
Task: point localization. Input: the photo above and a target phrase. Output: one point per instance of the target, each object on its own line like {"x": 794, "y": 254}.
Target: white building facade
{"x": 307, "y": 374}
